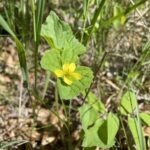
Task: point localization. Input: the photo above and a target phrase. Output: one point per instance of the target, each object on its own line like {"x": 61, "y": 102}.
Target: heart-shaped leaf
{"x": 91, "y": 137}
{"x": 88, "y": 115}
{"x": 101, "y": 132}
{"x": 105, "y": 132}
{"x": 59, "y": 35}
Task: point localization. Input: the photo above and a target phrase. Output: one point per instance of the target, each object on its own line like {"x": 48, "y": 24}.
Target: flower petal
{"x": 67, "y": 80}
{"x": 59, "y": 73}
{"x": 66, "y": 68}
{"x": 72, "y": 67}
{"x": 76, "y": 75}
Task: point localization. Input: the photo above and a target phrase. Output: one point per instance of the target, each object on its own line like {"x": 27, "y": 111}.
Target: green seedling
{"x": 62, "y": 59}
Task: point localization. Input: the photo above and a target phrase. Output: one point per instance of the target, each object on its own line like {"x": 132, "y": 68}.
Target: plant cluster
{"x": 99, "y": 126}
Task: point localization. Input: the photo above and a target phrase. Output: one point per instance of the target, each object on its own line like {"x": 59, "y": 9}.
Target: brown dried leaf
{"x": 47, "y": 139}
{"x": 147, "y": 131}
{"x": 43, "y": 116}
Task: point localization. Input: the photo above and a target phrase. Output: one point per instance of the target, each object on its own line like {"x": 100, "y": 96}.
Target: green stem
{"x": 95, "y": 75}
{"x": 93, "y": 22}
{"x": 125, "y": 134}
{"x": 57, "y": 110}
{"x": 33, "y": 16}
{"x": 85, "y": 14}
{"x": 56, "y": 100}
{"x": 36, "y": 47}
{"x": 46, "y": 84}
{"x": 68, "y": 123}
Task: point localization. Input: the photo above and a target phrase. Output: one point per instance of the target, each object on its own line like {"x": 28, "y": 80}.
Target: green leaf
{"x": 128, "y": 103}
{"x": 133, "y": 125}
{"x": 68, "y": 56}
{"x": 20, "y": 51}
{"x": 105, "y": 132}
{"x": 101, "y": 132}
{"x": 74, "y": 45}
{"x": 91, "y": 137}
{"x": 70, "y": 91}
{"x": 59, "y": 35}
{"x": 54, "y": 31}
{"x": 88, "y": 115}
{"x": 51, "y": 60}
{"x": 146, "y": 118}
{"x": 95, "y": 103}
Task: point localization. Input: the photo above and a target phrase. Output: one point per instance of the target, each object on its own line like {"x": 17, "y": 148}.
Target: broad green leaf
{"x": 20, "y": 50}
{"x": 51, "y": 60}
{"x": 74, "y": 45}
{"x": 95, "y": 103}
{"x": 70, "y": 91}
{"x": 146, "y": 118}
{"x": 128, "y": 103}
{"x": 88, "y": 115}
{"x": 133, "y": 125}
{"x": 59, "y": 35}
{"x": 68, "y": 56}
{"x": 54, "y": 31}
{"x": 91, "y": 137}
{"x": 103, "y": 133}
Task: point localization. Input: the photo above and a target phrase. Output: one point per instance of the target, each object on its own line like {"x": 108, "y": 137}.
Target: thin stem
{"x": 56, "y": 100}
{"x": 46, "y": 84}
{"x": 33, "y": 16}
{"x": 68, "y": 124}
{"x": 125, "y": 134}
{"x": 57, "y": 111}
{"x": 85, "y": 14}
{"x": 94, "y": 20}
{"x": 95, "y": 75}
{"x": 36, "y": 47}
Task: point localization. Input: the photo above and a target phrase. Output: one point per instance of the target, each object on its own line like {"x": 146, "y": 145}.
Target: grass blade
{"x": 137, "y": 133}
{"x": 10, "y": 144}
{"x": 93, "y": 22}
{"x": 126, "y": 12}
{"x": 136, "y": 127}
{"x": 20, "y": 51}
{"x": 37, "y": 16}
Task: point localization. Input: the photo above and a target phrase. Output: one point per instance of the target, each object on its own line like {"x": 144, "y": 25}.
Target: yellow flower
{"x": 68, "y": 73}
